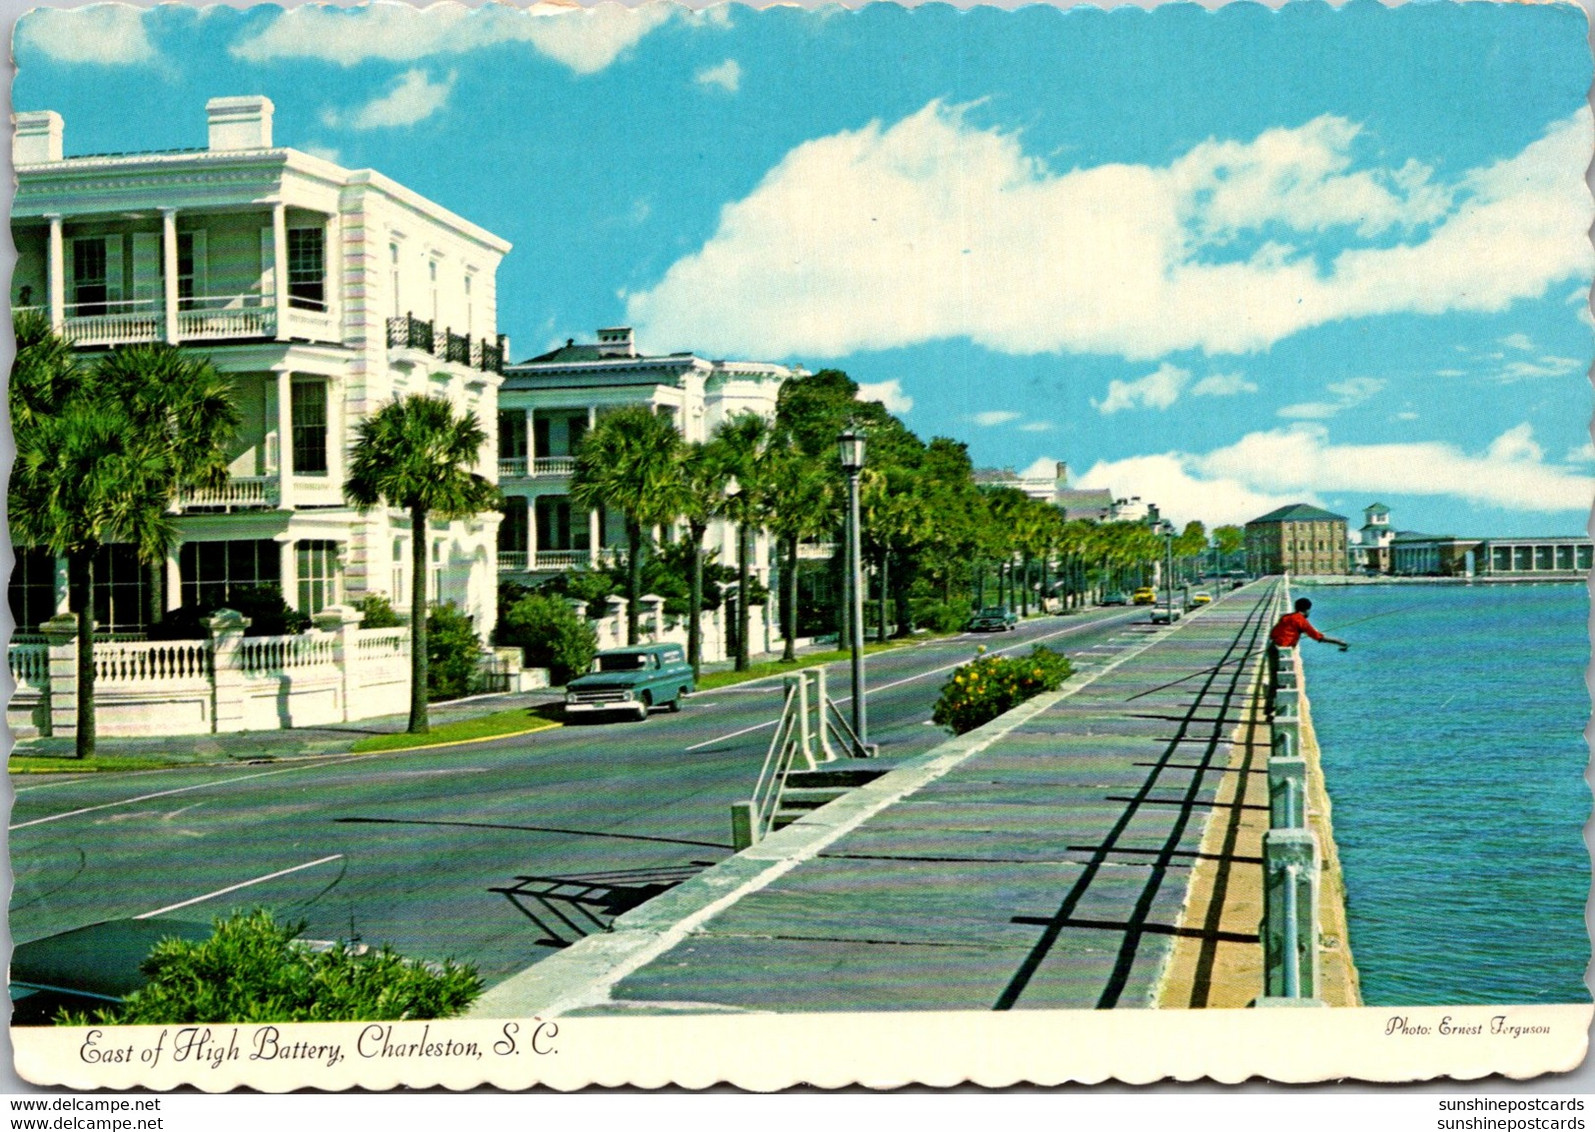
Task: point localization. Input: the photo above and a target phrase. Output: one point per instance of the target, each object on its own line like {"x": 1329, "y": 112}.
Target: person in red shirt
{"x": 1286, "y": 634}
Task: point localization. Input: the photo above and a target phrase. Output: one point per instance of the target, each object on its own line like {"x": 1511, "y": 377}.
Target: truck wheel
{"x": 643, "y": 705}
{"x": 675, "y": 704}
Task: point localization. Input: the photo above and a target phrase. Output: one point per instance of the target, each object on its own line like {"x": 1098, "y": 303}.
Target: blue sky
{"x": 1221, "y": 260}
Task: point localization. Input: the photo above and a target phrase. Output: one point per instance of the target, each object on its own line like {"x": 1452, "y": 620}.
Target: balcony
{"x": 206, "y": 318}
{"x": 407, "y": 332}
{"x": 239, "y": 493}
{"x": 542, "y": 561}
{"x": 519, "y": 467}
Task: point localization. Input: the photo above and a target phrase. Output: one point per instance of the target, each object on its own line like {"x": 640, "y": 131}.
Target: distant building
{"x": 1371, "y": 552}
{"x": 1094, "y": 504}
{"x": 1043, "y": 488}
{"x": 1381, "y": 549}
{"x": 1133, "y": 510}
{"x": 1300, "y": 539}
{"x": 1413, "y": 553}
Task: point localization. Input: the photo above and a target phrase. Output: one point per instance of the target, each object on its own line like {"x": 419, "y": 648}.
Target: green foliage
{"x": 940, "y": 616}
{"x": 379, "y": 612}
{"x": 269, "y": 616}
{"x": 453, "y": 653}
{"x": 253, "y": 970}
{"x": 549, "y": 634}
{"x": 980, "y": 691}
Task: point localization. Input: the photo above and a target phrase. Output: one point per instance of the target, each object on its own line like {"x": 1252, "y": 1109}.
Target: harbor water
{"x": 1453, "y": 748}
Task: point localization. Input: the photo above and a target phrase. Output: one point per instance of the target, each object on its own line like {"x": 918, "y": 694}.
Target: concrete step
{"x": 837, "y": 777}
{"x": 808, "y": 797}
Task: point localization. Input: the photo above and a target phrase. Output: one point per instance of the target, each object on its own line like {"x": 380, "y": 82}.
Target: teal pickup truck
{"x": 632, "y": 680}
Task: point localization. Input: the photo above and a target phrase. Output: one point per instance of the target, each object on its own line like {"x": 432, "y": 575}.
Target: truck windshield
{"x": 624, "y": 661}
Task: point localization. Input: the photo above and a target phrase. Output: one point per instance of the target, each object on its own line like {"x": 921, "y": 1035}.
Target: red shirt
{"x": 1290, "y": 628}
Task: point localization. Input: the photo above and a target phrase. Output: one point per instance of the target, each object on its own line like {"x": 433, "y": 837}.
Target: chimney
{"x": 37, "y": 138}
{"x": 1061, "y": 473}
{"x": 240, "y": 123}
{"x": 616, "y": 342}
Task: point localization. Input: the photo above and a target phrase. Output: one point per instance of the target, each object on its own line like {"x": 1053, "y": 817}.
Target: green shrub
{"x": 453, "y": 653}
{"x": 940, "y": 616}
{"x": 550, "y": 636}
{"x": 269, "y": 616}
{"x": 379, "y": 612}
{"x": 252, "y": 970}
{"x": 980, "y": 691}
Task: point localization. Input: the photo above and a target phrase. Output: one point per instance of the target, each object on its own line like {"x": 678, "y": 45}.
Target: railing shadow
{"x": 570, "y": 908}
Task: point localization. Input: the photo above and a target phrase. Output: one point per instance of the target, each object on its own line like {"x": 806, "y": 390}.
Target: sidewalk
{"x": 1041, "y": 861}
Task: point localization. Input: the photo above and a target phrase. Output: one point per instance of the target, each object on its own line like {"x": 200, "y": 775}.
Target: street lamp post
{"x": 850, "y": 448}
{"x": 1168, "y": 560}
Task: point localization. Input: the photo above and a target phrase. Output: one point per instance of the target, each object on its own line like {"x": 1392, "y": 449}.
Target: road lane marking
{"x": 236, "y": 887}
{"x": 167, "y": 793}
{"x": 908, "y": 679}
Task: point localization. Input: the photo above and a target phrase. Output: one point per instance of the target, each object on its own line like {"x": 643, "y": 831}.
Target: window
{"x": 470, "y": 309}
{"x": 317, "y": 561}
{"x": 32, "y": 589}
{"x": 119, "y": 605}
{"x": 512, "y": 435}
{"x": 89, "y": 277}
{"x": 211, "y": 571}
{"x": 432, "y": 276}
{"x": 307, "y": 286}
{"x": 1584, "y": 553}
{"x": 393, "y": 280}
{"x": 437, "y": 571}
{"x": 1564, "y": 557}
{"x": 555, "y": 531}
{"x": 310, "y": 427}
{"x": 400, "y": 556}
{"x": 185, "y": 271}
{"x": 1542, "y": 558}
{"x": 513, "y": 530}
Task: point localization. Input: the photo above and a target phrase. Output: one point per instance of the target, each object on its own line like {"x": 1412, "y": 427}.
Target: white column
{"x": 332, "y": 273}
{"x": 594, "y": 530}
{"x": 174, "y": 579}
{"x": 288, "y": 569}
{"x": 285, "y": 439}
{"x": 169, "y": 262}
{"x": 57, "y": 274}
{"x": 63, "y": 590}
{"x": 279, "y": 263}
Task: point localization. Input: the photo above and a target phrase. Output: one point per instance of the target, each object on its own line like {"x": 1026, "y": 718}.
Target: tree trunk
{"x": 1024, "y": 585}
{"x": 81, "y": 572}
{"x": 900, "y": 600}
{"x": 418, "y": 569}
{"x": 154, "y": 591}
{"x": 633, "y": 579}
{"x": 789, "y": 618}
{"x": 744, "y": 540}
{"x": 885, "y": 554}
{"x": 695, "y": 603}
{"x": 980, "y": 585}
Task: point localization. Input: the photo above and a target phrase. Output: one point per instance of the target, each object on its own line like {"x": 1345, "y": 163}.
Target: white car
{"x": 1165, "y": 614}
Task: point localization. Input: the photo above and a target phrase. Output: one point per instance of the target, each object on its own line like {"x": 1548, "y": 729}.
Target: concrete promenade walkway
{"x": 1042, "y": 861}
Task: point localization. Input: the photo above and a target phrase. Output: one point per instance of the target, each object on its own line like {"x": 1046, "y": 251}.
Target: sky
{"x": 1223, "y": 260}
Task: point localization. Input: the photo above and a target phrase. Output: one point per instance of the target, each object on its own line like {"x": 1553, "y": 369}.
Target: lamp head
{"x": 850, "y": 449}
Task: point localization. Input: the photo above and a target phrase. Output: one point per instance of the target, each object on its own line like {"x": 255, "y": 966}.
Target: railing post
{"x": 60, "y": 717}
{"x": 1290, "y": 917}
{"x": 1287, "y": 786}
{"x": 742, "y": 825}
{"x": 822, "y": 703}
{"x": 226, "y": 670}
{"x": 343, "y": 623}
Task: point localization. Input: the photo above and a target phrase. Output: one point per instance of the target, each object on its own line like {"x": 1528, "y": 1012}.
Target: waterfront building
{"x": 1299, "y": 539}
{"x": 548, "y": 403}
{"x": 1413, "y": 553}
{"x": 1095, "y": 504}
{"x": 322, "y": 292}
{"x": 1042, "y": 488}
{"x": 1371, "y": 552}
{"x": 1566, "y": 556}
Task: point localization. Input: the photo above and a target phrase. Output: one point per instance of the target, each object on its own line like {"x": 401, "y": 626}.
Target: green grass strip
{"x": 763, "y": 669}
{"x": 500, "y": 723}
{"x": 66, "y": 764}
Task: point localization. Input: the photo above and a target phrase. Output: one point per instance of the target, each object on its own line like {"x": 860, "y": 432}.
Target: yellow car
{"x": 1146, "y": 595}
{"x": 1201, "y": 597}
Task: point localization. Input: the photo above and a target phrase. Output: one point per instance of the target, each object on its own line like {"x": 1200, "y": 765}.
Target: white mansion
{"x": 323, "y": 292}
{"x": 547, "y": 403}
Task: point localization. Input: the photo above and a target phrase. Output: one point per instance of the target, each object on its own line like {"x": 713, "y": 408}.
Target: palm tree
{"x": 416, "y": 454}
{"x": 178, "y": 402}
{"x": 629, "y": 462}
{"x": 740, "y": 449}
{"x": 700, "y": 487}
{"x": 801, "y": 506}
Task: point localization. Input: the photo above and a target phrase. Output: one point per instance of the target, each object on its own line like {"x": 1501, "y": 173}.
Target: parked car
{"x": 993, "y": 619}
{"x": 632, "y": 680}
{"x": 1146, "y": 595}
{"x": 1166, "y": 614}
{"x": 1116, "y": 597}
{"x": 1201, "y": 597}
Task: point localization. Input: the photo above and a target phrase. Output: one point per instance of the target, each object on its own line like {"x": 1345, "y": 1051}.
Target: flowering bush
{"x": 983, "y": 689}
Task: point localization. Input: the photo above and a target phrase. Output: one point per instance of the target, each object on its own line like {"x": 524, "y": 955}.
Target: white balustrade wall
{"x": 335, "y": 673}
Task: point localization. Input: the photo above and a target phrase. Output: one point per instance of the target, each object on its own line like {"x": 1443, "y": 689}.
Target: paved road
{"x": 495, "y": 853}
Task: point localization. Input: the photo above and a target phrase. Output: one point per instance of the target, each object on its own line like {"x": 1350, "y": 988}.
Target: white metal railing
{"x": 553, "y": 465}
{"x": 241, "y": 492}
{"x": 512, "y": 467}
{"x": 30, "y": 665}
{"x": 277, "y": 654}
{"x": 114, "y": 321}
{"x": 151, "y": 661}
{"x": 559, "y": 559}
{"x": 514, "y": 560}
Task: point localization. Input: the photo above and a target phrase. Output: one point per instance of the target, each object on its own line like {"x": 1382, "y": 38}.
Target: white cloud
{"x": 105, "y": 34}
{"x": 1264, "y": 470}
{"x": 726, "y": 76}
{"x": 1157, "y": 390}
{"x": 413, "y": 98}
{"x": 1348, "y": 395}
{"x": 930, "y": 228}
{"x": 993, "y": 417}
{"x": 1222, "y": 385}
{"x": 1450, "y": 373}
{"x": 1518, "y": 342}
{"x": 1548, "y": 366}
{"x": 584, "y": 39}
{"x": 1583, "y": 454}
{"x": 889, "y": 393}
{"x": 1405, "y": 415}
{"x": 1036, "y": 426}
{"x": 1043, "y": 468}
